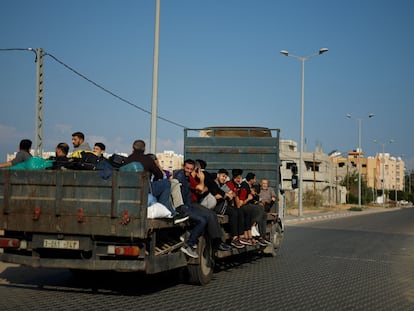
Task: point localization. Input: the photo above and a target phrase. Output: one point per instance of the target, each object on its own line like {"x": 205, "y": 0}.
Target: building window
{"x": 312, "y": 166}
{"x": 289, "y": 165}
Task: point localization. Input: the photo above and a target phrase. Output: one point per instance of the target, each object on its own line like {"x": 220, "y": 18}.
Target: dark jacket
{"x": 147, "y": 162}
{"x": 185, "y": 186}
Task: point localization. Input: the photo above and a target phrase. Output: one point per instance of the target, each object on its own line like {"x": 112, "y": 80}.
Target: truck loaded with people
{"x": 82, "y": 211}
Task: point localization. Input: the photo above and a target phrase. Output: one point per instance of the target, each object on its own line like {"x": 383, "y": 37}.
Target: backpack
{"x": 117, "y": 160}
{"x": 87, "y": 161}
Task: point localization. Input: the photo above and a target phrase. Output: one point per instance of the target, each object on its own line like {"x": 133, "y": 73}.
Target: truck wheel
{"x": 201, "y": 272}
{"x": 276, "y": 237}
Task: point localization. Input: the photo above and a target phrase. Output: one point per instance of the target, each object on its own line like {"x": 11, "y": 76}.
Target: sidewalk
{"x": 315, "y": 215}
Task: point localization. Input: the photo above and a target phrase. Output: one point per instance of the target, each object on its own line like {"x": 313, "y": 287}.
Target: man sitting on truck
{"x": 224, "y": 196}
{"x": 21, "y": 156}
{"x": 198, "y": 212}
{"x": 61, "y": 156}
{"x": 161, "y": 188}
{"x": 267, "y": 195}
{"x": 260, "y": 216}
{"x": 79, "y": 145}
{"x": 242, "y": 197}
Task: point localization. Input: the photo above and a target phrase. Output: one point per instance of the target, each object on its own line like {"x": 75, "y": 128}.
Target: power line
{"x": 94, "y": 83}
{"x": 110, "y": 92}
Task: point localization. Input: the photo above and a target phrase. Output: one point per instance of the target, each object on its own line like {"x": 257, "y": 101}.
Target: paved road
{"x": 362, "y": 262}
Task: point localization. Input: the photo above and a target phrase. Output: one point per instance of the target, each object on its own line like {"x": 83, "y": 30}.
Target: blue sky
{"x": 219, "y": 65}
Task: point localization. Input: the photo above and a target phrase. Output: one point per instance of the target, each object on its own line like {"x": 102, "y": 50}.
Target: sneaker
{"x": 182, "y": 239}
{"x": 262, "y": 241}
{"x": 245, "y": 241}
{"x": 223, "y": 247}
{"x": 236, "y": 243}
{"x": 190, "y": 251}
{"x": 255, "y": 232}
{"x": 179, "y": 218}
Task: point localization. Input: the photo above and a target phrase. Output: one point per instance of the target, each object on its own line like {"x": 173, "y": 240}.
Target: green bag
{"x": 34, "y": 163}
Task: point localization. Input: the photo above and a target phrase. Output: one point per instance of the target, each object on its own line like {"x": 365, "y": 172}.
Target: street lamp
{"x": 302, "y": 111}
{"x": 383, "y": 167}
{"x": 371, "y": 115}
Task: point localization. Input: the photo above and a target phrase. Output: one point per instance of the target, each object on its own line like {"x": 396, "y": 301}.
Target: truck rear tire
{"x": 202, "y": 273}
{"x": 276, "y": 237}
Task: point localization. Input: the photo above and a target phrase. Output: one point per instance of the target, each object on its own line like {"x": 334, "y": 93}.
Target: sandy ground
{"x": 323, "y": 209}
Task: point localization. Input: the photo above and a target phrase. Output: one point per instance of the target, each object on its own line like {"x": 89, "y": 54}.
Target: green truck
{"x": 81, "y": 221}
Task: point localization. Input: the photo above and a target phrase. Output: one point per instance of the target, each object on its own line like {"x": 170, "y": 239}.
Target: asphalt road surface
{"x": 363, "y": 262}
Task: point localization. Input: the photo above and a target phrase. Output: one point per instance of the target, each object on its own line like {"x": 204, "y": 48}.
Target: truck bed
{"x": 74, "y": 202}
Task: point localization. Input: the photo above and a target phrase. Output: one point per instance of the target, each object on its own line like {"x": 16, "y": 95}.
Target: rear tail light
{"x": 131, "y": 251}
{"x": 9, "y": 243}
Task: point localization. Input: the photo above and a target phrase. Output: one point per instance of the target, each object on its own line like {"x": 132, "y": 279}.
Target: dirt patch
{"x": 309, "y": 210}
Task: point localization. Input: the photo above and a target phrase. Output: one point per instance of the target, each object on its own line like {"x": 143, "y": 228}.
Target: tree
{"x": 351, "y": 183}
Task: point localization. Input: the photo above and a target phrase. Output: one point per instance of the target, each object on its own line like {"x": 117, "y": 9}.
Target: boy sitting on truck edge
{"x": 242, "y": 197}
{"x": 99, "y": 150}
{"x": 224, "y": 196}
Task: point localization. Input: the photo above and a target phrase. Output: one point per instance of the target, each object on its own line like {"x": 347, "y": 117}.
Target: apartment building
{"x": 319, "y": 173}
{"x": 389, "y": 172}
{"x": 170, "y": 161}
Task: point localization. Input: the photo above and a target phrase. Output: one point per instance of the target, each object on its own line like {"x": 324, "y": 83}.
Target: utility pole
{"x": 38, "y": 130}
{"x": 38, "y": 147}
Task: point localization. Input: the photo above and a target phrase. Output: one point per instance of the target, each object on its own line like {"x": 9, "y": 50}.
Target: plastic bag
{"x": 34, "y": 163}
{"x": 158, "y": 210}
{"x": 132, "y": 167}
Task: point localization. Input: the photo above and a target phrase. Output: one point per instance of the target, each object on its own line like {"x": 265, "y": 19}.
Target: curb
{"x": 318, "y": 217}
{"x": 329, "y": 215}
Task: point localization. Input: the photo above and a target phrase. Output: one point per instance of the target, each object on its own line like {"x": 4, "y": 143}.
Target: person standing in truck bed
{"x": 21, "y": 156}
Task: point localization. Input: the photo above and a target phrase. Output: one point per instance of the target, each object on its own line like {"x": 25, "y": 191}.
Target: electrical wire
{"x": 110, "y": 92}
{"x": 94, "y": 83}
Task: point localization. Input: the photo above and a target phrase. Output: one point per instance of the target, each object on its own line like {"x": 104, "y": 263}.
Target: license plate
{"x": 64, "y": 244}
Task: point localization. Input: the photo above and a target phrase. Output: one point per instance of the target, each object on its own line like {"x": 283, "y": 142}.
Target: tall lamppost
{"x": 359, "y": 151}
{"x": 302, "y": 111}
{"x": 383, "y": 167}
{"x": 154, "y": 104}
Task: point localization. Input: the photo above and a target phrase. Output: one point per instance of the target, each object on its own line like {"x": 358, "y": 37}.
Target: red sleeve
{"x": 231, "y": 185}
{"x": 193, "y": 184}
{"x": 243, "y": 194}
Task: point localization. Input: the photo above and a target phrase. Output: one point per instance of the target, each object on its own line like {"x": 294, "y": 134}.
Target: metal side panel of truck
{"x": 78, "y": 220}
